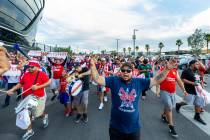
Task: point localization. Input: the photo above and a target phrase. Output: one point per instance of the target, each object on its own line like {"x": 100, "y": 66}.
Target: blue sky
{"x": 94, "y": 25}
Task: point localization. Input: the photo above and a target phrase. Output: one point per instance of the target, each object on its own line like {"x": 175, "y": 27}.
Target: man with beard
{"x": 125, "y": 92}
{"x": 189, "y": 78}
{"x": 167, "y": 95}
{"x": 37, "y": 81}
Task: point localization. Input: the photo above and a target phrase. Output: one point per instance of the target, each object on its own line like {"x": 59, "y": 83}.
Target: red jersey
{"x": 169, "y": 84}
{"x": 28, "y": 79}
{"x": 86, "y": 62}
{"x": 63, "y": 84}
{"x": 104, "y": 70}
{"x": 135, "y": 73}
{"x": 201, "y": 71}
{"x": 57, "y": 71}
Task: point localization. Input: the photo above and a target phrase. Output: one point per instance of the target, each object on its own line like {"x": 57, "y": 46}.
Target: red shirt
{"x": 135, "y": 73}
{"x": 169, "y": 84}
{"x": 63, "y": 84}
{"x": 28, "y": 79}
{"x": 104, "y": 70}
{"x": 57, "y": 71}
{"x": 201, "y": 71}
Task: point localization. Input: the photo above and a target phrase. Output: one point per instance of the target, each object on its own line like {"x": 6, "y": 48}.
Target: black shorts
{"x": 116, "y": 135}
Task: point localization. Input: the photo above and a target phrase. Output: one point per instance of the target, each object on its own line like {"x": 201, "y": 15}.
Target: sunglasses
{"x": 126, "y": 70}
{"x": 31, "y": 67}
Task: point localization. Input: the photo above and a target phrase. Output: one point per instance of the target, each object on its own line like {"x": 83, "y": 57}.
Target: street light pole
{"x": 134, "y": 41}
{"x": 117, "y": 45}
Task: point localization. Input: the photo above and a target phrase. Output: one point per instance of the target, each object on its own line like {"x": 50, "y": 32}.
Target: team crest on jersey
{"x": 127, "y": 99}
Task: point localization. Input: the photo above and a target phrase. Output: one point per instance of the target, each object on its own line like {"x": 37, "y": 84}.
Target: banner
{"x": 35, "y": 53}
{"x": 203, "y": 93}
{"x": 13, "y": 71}
{"x": 57, "y": 54}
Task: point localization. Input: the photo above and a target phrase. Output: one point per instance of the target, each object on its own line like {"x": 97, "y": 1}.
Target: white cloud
{"x": 181, "y": 26}
{"x": 94, "y": 23}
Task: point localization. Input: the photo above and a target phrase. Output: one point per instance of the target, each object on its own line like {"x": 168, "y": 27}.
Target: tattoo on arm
{"x": 161, "y": 76}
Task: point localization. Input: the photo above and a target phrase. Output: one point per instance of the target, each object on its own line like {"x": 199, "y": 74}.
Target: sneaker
{"x": 202, "y": 110}
{"x": 5, "y": 105}
{"x": 45, "y": 121}
{"x": 78, "y": 118}
{"x": 101, "y": 106}
{"x": 105, "y": 99}
{"x": 18, "y": 98}
{"x": 178, "y": 106}
{"x": 205, "y": 84}
{"x": 198, "y": 118}
{"x": 67, "y": 112}
{"x": 28, "y": 134}
{"x": 85, "y": 118}
{"x": 164, "y": 119}
{"x": 32, "y": 118}
{"x": 53, "y": 97}
{"x": 172, "y": 131}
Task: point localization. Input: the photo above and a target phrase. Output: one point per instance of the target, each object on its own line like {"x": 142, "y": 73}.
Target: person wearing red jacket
{"x": 57, "y": 68}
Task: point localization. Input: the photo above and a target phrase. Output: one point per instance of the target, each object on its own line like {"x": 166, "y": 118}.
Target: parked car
{"x": 183, "y": 62}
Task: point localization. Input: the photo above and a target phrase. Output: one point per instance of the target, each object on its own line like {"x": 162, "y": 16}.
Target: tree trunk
{"x": 178, "y": 50}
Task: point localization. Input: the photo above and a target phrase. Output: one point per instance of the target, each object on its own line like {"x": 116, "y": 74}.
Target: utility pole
{"x": 117, "y": 45}
{"x": 134, "y": 41}
{"x": 44, "y": 47}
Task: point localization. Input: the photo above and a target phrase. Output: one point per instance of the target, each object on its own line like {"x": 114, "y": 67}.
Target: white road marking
{"x": 188, "y": 112}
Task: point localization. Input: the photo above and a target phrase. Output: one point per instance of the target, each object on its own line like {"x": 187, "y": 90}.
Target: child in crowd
{"x": 64, "y": 97}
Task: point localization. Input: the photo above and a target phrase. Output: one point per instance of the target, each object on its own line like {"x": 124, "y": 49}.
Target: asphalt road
{"x": 62, "y": 128}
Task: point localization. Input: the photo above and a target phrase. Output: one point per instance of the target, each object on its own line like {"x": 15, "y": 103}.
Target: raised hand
{"x": 4, "y": 62}
{"x": 172, "y": 63}
{"x": 93, "y": 61}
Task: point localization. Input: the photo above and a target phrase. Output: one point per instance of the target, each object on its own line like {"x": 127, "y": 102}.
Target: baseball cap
{"x": 34, "y": 63}
{"x": 127, "y": 64}
{"x": 103, "y": 59}
{"x": 192, "y": 62}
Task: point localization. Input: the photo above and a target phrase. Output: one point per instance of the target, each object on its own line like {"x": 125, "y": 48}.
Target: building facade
{"x": 19, "y": 20}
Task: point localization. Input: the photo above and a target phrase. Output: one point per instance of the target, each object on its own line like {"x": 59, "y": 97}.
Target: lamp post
{"x": 134, "y": 40}
{"x": 117, "y": 45}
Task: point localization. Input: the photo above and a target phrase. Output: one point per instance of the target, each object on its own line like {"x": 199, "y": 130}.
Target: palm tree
{"x": 179, "y": 43}
{"x": 147, "y": 48}
{"x": 207, "y": 37}
{"x": 124, "y": 50}
{"x": 161, "y": 45}
{"x": 137, "y": 49}
{"x": 129, "y": 50}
